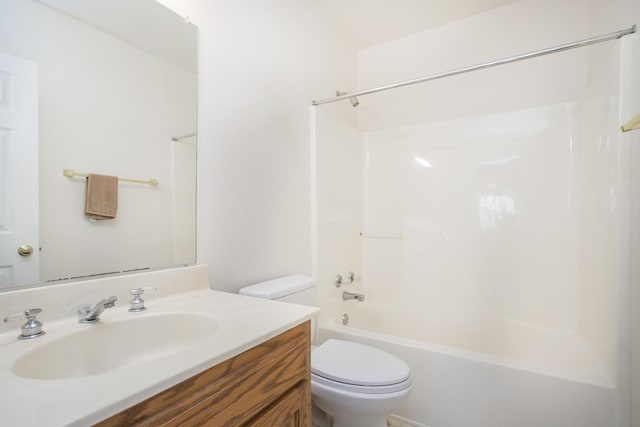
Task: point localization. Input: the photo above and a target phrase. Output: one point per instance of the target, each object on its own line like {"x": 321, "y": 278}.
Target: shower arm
{"x": 568, "y": 46}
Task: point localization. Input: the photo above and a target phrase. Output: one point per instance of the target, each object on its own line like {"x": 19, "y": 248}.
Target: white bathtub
{"x": 515, "y": 376}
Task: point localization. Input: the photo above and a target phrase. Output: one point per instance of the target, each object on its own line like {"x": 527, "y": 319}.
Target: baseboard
{"x": 398, "y": 421}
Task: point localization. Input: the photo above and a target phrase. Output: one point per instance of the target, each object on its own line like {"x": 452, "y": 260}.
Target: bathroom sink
{"x": 106, "y": 346}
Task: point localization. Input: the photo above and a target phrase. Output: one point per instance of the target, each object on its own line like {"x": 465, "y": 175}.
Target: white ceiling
{"x": 369, "y": 22}
{"x": 364, "y": 23}
{"x": 146, "y": 24}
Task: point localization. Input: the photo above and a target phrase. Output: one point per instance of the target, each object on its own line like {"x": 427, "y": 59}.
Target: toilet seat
{"x": 358, "y": 368}
{"x": 362, "y": 389}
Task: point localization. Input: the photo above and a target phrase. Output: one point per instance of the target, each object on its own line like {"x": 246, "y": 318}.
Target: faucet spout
{"x": 351, "y": 295}
{"x": 90, "y": 314}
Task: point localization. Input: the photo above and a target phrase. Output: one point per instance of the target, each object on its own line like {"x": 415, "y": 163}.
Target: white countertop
{"x": 242, "y": 323}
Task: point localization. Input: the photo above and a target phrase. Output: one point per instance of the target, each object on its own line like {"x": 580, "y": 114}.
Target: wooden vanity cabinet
{"x": 268, "y": 385}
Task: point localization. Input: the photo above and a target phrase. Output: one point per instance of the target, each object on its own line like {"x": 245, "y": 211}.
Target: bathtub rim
{"x": 333, "y": 325}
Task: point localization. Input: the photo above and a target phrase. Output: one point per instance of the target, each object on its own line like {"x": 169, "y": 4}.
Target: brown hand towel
{"x": 102, "y": 196}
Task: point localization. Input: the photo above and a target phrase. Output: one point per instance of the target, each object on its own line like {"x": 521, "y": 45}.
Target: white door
{"x": 18, "y": 171}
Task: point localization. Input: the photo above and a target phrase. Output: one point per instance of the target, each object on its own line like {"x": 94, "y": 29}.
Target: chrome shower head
{"x": 353, "y": 100}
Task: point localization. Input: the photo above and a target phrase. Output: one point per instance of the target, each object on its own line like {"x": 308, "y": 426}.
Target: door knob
{"x": 25, "y": 250}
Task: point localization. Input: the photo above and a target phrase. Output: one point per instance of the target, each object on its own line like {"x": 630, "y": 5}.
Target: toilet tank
{"x": 296, "y": 289}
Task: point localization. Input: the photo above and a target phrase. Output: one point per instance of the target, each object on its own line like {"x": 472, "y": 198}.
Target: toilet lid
{"x": 357, "y": 364}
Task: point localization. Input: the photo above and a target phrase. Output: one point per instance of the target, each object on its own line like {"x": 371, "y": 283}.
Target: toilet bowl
{"x": 354, "y": 384}
{"x": 357, "y": 385}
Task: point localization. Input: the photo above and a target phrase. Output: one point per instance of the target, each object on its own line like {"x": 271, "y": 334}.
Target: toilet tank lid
{"x": 281, "y": 287}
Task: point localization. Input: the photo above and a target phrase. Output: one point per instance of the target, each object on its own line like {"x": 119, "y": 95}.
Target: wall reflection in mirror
{"x": 99, "y": 86}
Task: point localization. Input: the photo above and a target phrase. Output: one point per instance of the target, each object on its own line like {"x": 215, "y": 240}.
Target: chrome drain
{"x": 345, "y": 319}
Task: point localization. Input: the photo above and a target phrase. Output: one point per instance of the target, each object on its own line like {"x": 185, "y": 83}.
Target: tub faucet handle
{"x": 32, "y": 328}
{"x": 350, "y": 276}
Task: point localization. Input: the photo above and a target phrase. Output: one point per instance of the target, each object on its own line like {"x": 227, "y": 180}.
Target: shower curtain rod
{"x": 581, "y": 43}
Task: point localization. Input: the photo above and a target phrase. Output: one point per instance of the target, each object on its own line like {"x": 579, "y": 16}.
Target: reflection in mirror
{"x": 96, "y": 86}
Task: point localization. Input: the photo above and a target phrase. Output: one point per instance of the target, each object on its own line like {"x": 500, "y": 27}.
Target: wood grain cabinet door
{"x": 292, "y": 410}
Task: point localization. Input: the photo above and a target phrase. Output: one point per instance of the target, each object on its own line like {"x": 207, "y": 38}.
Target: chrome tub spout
{"x": 351, "y": 295}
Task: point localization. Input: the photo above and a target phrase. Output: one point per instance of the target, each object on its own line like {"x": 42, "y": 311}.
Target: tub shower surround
{"x": 470, "y": 290}
{"x": 490, "y": 243}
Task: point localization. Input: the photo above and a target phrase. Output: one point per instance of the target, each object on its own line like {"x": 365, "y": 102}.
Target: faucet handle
{"x": 140, "y": 291}
{"x": 32, "y": 328}
{"x": 137, "y": 303}
{"x": 350, "y": 276}
{"x": 30, "y": 313}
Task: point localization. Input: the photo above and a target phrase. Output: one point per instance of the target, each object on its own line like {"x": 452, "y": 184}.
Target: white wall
{"x": 127, "y": 134}
{"x": 261, "y": 63}
{"x": 339, "y": 205}
{"x": 517, "y": 28}
{"x": 605, "y": 16}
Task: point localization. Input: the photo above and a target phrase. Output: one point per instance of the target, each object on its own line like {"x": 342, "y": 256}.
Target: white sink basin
{"x": 105, "y": 346}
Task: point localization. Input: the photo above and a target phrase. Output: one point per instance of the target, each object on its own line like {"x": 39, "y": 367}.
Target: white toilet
{"x": 355, "y": 384}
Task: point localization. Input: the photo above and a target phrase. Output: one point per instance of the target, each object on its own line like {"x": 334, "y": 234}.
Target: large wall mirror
{"x": 95, "y": 87}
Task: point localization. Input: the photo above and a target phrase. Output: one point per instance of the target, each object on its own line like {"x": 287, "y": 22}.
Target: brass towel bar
{"x": 632, "y": 124}
{"x": 72, "y": 173}
{"x": 181, "y": 137}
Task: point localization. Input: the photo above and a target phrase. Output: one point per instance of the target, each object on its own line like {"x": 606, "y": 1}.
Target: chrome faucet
{"x": 92, "y": 315}
{"x": 350, "y": 295}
